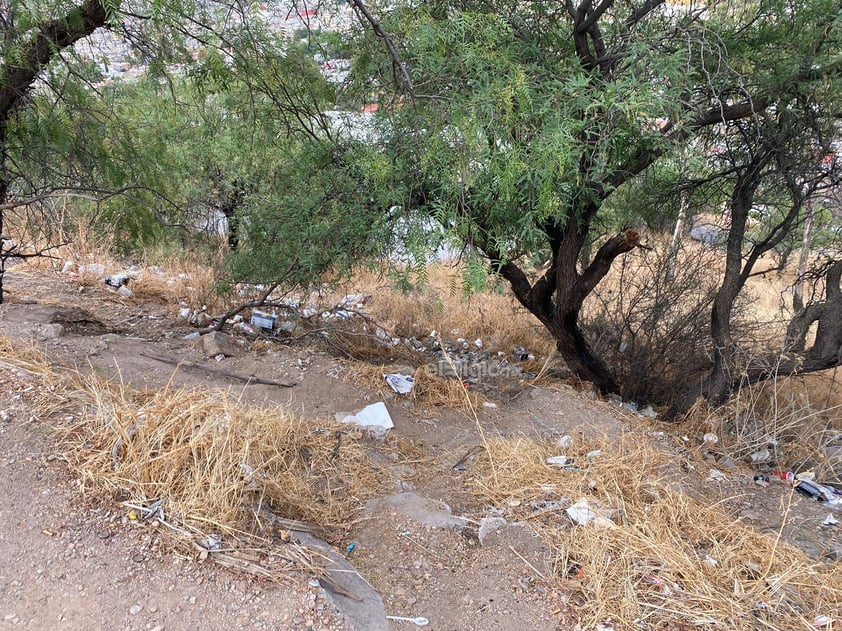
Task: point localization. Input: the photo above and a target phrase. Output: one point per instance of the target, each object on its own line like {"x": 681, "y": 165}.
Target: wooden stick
{"x": 222, "y": 373}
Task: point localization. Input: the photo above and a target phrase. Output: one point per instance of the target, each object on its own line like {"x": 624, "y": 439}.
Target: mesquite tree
{"x": 521, "y": 123}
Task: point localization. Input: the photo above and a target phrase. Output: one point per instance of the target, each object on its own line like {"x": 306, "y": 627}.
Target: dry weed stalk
{"x": 671, "y": 561}
{"x": 793, "y": 417}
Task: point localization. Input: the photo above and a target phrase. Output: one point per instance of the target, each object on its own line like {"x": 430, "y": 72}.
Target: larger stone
{"x": 423, "y": 510}
{"x": 346, "y": 588}
{"x": 216, "y": 343}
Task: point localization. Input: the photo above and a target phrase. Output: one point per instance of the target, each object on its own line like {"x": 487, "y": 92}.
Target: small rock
{"x": 135, "y": 609}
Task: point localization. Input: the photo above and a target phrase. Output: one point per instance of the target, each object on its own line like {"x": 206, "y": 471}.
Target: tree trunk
{"x": 557, "y": 298}
{"x": 581, "y": 359}
{"x": 717, "y": 386}
{"x": 803, "y": 258}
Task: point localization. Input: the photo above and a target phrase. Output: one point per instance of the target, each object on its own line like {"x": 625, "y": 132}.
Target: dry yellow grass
{"x": 210, "y": 459}
{"x": 671, "y": 561}
{"x": 495, "y": 318}
{"x": 795, "y": 417}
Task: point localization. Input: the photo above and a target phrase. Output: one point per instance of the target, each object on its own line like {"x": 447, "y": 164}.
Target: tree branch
{"x": 359, "y": 5}
{"x": 593, "y": 16}
{"x": 50, "y": 38}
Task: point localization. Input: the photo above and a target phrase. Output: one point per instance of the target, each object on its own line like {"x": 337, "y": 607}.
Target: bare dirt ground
{"x": 69, "y": 563}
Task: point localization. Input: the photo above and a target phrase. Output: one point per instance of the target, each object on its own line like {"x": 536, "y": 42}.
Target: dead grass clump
{"x": 671, "y": 561}
{"x": 213, "y": 460}
{"x": 23, "y": 355}
{"x": 795, "y": 418}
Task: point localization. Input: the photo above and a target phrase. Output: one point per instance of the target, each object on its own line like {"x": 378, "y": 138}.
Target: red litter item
{"x": 782, "y": 476}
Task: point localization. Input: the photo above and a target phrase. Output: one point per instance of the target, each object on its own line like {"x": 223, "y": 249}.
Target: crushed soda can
{"x": 520, "y": 353}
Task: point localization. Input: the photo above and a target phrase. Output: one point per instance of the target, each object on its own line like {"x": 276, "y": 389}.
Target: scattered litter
{"x": 822, "y": 621}
{"x": 710, "y": 438}
{"x": 400, "y": 383}
{"x": 489, "y": 405}
{"x": 287, "y": 326}
{"x": 184, "y": 313}
{"x": 710, "y": 561}
{"x": 758, "y": 457}
{"x": 830, "y": 520}
{"x": 817, "y": 491}
{"x": 782, "y": 476}
{"x": 726, "y": 463}
{"x": 605, "y": 626}
{"x": 357, "y": 301}
{"x": 350, "y": 548}
{"x": 520, "y": 353}
{"x": 761, "y": 480}
{"x": 419, "y": 621}
{"x": 583, "y": 513}
{"x": 314, "y": 582}
{"x": 193, "y": 336}
{"x": 716, "y": 475}
{"x": 263, "y": 320}
{"x": 478, "y": 343}
{"x": 557, "y": 461}
{"x": 67, "y": 267}
{"x": 594, "y": 454}
{"x": 142, "y": 513}
{"x": 648, "y": 412}
{"x": 565, "y": 442}
{"x": 115, "y": 281}
{"x": 374, "y": 417}
{"x": 630, "y": 406}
